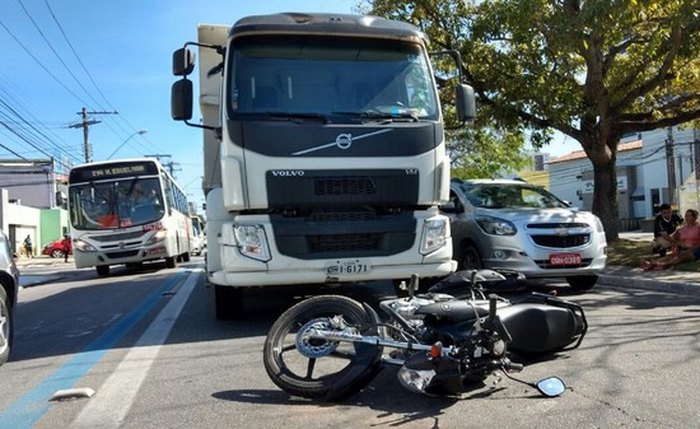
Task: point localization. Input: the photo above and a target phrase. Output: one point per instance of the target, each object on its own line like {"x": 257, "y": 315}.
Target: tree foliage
{"x": 592, "y": 69}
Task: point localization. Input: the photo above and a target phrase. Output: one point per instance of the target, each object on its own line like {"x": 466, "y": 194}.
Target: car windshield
{"x": 502, "y": 195}
{"x": 116, "y": 204}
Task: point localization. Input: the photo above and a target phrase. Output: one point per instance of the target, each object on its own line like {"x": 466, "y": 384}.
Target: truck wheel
{"x": 102, "y": 270}
{"x": 582, "y": 283}
{"x": 186, "y": 257}
{"x": 171, "y": 262}
{"x": 228, "y": 302}
{"x": 5, "y": 326}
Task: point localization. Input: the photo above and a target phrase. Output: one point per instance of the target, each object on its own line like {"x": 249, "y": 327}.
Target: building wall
{"x": 642, "y": 175}
{"x": 30, "y": 183}
{"x": 54, "y": 224}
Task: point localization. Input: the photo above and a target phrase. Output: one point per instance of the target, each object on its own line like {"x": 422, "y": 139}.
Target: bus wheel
{"x": 171, "y": 262}
{"x": 102, "y": 270}
{"x": 186, "y": 257}
{"x": 228, "y": 302}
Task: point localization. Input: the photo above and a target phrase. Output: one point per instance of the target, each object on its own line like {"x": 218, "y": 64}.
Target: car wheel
{"x": 5, "y": 326}
{"x": 102, "y": 270}
{"x": 582, "y": 283}
{"x": 471, "y": 260}
{"x": 56, "y": 253}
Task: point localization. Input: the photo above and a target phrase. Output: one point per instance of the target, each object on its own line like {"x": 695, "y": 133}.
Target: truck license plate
{"x": 347, "y": 268}
{"x": 564, "y": 259}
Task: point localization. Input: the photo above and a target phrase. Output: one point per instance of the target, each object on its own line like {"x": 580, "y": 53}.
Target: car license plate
{"x": 348, "y": 268}
{"x": 564, "y": 259}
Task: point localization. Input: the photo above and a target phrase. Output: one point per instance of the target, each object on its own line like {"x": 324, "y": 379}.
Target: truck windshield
{"x": 116, "y": 204}
{"x": 345, "y": 79}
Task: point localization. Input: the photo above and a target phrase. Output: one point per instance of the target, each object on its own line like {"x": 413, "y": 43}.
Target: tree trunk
{"x": 605, "y": 204}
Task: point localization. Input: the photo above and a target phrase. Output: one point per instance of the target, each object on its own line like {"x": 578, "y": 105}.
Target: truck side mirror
{"x": 181, "y": 100}
{"x": 183, "y": 62}
{"x": 466, "y": 103}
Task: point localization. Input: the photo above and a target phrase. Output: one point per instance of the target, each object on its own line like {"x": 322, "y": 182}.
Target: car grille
{"x": 561, "y": 241}
{"x": 554, "y": 225}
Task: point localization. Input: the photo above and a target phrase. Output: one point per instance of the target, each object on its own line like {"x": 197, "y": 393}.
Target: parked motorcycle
{"x": 330, "y": 347}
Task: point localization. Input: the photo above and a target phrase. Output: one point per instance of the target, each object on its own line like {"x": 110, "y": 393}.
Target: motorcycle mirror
{"x": 551, "y": 386}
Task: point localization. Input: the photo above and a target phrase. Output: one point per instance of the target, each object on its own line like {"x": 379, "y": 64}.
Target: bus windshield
{"x": 340, "y": 79}
{"x": 116, "y": 204}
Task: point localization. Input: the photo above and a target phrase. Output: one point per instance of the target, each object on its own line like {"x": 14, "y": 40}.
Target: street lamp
{"x": 139, "y": 132}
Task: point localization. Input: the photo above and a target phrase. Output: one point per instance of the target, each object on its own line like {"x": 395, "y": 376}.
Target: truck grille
{"x": 342, "y": 216}
{"x": 343, "y": 243}
{"x": 344, "y": 186}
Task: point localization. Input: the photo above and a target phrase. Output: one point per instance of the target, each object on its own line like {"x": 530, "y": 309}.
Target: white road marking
{"x": 109, "y": 407}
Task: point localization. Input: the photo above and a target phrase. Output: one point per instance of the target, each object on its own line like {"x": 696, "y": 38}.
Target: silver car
{"x": 9, "y": 284}
{"x": 513, "y": 225}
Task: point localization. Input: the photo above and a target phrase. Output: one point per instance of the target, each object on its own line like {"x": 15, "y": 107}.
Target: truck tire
{"x": 171, "y": 262}
{"x": 228, "y": 302}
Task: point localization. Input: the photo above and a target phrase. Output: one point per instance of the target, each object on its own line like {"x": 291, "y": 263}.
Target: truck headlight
{"x": 252, "y": 241}
{"x": 496, "y": 226}
{"x": 434, "y": 235}
{"x": 83, "y": 246}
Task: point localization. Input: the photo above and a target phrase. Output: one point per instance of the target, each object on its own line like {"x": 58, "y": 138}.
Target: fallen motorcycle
{"x": 329, "y": 347}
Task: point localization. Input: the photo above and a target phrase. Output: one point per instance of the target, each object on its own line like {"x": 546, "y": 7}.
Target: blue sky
{"x": 126, "y": 48}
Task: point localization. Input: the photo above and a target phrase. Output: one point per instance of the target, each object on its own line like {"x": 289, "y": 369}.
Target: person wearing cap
{"x": 665, "y": 224}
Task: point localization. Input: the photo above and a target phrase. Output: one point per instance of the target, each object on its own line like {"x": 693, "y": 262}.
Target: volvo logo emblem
{"x": 344, "y": 141}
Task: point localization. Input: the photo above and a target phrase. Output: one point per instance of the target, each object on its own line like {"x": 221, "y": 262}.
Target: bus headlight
{"x": 434, "y": 235}
{"x": 252, "y": 241}
{"x": 83, "y": 246}
{"x": 157, "y": 237}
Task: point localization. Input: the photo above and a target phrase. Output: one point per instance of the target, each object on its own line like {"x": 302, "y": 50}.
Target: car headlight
{"x": 598, "y": 224}
{"x": 158, "y": 237}
{"x": 434, "y": 235}
{"x": 496, "y": 226}
{"x": 252, "y": 241}
{"x": 83, "y": 246}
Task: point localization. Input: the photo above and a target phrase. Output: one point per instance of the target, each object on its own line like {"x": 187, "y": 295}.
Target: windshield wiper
{"x": 290, "y": 116}
{"x": 381, "y": 116}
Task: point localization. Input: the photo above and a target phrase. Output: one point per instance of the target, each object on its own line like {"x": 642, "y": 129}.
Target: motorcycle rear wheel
{"x": 317, "y": 368}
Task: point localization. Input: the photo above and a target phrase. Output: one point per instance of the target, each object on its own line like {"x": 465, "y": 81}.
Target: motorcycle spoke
{"x": 288, "y": 348}
{"x": 310, "y": 368}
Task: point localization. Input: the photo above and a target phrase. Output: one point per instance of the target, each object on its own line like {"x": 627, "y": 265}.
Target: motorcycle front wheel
{"x": 317, "y": 368}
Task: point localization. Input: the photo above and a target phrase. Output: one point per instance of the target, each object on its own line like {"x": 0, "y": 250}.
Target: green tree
{"x": 592, "y": 69}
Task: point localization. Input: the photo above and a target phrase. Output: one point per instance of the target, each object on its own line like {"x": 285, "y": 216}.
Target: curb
{"x": 40, "y": 282}
{"x": 634, "y": 282}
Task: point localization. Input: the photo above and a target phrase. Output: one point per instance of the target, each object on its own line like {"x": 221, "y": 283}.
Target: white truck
{"x": 324, "y": 151}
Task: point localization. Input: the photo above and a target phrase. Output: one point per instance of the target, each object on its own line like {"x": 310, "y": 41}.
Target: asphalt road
{"x": 146, "y": 343}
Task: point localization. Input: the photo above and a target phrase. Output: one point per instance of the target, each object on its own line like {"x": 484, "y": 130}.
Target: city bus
{"x": 127, "y": 212}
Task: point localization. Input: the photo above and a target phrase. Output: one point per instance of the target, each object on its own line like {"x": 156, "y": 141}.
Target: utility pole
{"x": 671, "y": 168}
{"x": 170, "y": 165}
{"x": 85, "y": 125}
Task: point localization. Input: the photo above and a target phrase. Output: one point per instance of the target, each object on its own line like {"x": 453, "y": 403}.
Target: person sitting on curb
{"x": 685, "y": 241}
{"x": 665, "y": 224}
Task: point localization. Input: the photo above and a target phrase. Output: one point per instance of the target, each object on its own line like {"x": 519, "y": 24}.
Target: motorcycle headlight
{"x": 495, "y": 226}
{"x": 158, "y": 237}
{"x": 83, "y": 246}
{"x": 434, "y": 235}
{"x": 252, "y": 241}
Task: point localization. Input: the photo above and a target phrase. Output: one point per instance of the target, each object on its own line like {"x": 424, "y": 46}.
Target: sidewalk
{"x": 39, "y": 270}
{"x": 683, "y": 282}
